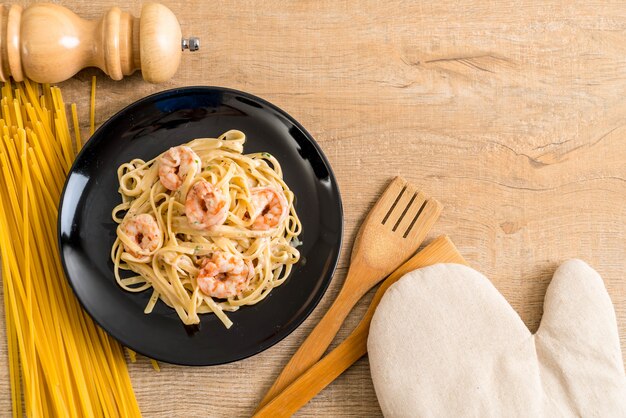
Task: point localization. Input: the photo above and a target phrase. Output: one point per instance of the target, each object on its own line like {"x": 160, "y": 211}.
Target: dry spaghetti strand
{"x": 60, "y": 362}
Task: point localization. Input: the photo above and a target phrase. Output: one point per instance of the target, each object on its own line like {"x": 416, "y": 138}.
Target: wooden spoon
{"x": 392, "y": 231}
{"x": 310, "y": 383}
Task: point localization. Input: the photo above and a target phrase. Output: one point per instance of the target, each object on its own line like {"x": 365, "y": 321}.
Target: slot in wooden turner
{"x": 322, "y": 373}
{"x": 392, "y": 231}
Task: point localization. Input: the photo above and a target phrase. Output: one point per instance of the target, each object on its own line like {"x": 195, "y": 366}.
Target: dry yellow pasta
{"x": 92, "y": 110}
{"x": 60, "y": 362}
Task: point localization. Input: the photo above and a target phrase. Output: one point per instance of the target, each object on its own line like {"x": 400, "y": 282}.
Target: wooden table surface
{"x": 512, "y": 114}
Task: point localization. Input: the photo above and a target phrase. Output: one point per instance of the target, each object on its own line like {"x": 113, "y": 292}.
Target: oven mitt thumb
{"x": 445, "y": 343}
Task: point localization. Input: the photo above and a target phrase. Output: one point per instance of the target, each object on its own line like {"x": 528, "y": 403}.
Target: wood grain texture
{"x": 511, "y": 114}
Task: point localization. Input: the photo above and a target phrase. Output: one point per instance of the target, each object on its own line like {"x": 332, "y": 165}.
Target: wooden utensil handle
{"x": 322, "y": 373}
{"x": 320, "y": 338}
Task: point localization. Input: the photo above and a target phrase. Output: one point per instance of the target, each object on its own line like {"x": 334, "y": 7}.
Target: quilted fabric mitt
{"x": 445, "y": 343}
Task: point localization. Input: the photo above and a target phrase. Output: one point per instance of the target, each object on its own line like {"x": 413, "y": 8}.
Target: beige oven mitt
{"x": 445, "y": 343}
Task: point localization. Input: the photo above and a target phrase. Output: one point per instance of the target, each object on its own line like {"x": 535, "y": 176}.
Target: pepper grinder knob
{"x": 192, "y": 44}
{"x": 48, "y": 43}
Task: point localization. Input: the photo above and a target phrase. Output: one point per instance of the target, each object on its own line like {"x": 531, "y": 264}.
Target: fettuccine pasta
{"x": 207, "y": 228}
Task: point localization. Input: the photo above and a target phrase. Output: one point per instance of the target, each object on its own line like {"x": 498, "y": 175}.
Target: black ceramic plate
{"x": 146, "y": 129}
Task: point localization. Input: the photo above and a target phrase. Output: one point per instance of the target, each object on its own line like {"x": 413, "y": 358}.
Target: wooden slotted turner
{"x": 311, "y": 382}
{"x": 392, "y": 231}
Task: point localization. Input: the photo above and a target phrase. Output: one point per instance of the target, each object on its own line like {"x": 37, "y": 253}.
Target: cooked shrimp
{"x": 144, "y": 232}
{"x": 224, "y": 275}
{"x": 270, "y": 207}
{"x": 206, "y": 205}
{"x": 175, "y": 164}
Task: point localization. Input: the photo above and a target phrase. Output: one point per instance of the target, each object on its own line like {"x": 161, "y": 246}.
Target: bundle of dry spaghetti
{"x": 60, "y": 362}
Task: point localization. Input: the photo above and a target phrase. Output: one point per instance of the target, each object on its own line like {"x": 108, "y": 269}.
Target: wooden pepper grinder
{"x": 48, "y": 43}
